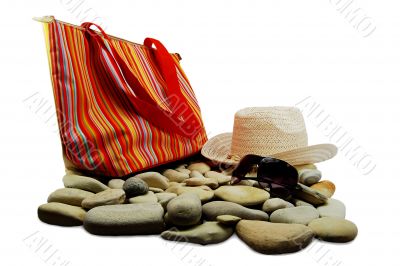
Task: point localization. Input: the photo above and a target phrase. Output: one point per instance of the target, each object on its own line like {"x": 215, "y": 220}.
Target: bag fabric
{"x": 121, "y": 107}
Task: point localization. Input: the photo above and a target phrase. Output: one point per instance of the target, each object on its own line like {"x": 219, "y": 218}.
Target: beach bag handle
{"x": 177, "y": 117}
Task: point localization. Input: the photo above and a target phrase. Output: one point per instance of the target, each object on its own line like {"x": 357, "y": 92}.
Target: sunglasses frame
{"x": 264, "y": 164}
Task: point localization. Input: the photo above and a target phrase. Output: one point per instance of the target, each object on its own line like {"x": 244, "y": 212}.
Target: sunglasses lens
{"x": 280, "y": 191}
{"x": 278, "y": 172}
{"x": 264, "y": 185}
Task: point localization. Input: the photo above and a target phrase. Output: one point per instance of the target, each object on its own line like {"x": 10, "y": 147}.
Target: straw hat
{"x": 277, "y": 132}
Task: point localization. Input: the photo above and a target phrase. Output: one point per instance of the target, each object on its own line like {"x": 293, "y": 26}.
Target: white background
{"x": 236, "y": 54}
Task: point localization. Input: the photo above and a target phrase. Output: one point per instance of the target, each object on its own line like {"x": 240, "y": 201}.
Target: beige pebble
{"x": 309, "y": 177}
{"x": 110, "y": 196}
{"x": 183, "y": 170}
{"x": 84, "y": 183}
{"x": 205, "y": 187}
{"x": 195, "y": 181}
{"x": 243, "y": 195}
{"x": 156, "y": 189}
{"x": 228, "y": 219}
{"x": 325, "y": 187}
{"x": 203, "y": 194}
{"x": 220, "y": 178}
{"x": 165, "y": 197}
{"x": 199, "y": 181}
{"x": 274, "y": 238}
{"x": 116, "y": 183}
{"x": 174, "y": 175}
{"x": 334, "y": 229}
{"x": 196, "y": 174}
{"x": 154, "y": 179}
{"x": 71, "y": 196}
{"x": 149, "y": 197}
{"x": 201, "y": 167}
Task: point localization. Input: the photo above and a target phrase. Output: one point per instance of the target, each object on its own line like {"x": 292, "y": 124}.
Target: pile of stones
{"x": 195, "y": 203}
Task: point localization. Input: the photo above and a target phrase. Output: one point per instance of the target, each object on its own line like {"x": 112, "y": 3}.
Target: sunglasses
{"x": 278, "y": 177}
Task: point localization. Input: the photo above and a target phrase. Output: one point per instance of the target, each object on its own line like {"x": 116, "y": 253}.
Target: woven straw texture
{"x": 278, "y": 132}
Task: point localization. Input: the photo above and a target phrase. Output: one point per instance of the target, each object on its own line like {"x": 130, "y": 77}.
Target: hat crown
{"x": 268, "y": 130}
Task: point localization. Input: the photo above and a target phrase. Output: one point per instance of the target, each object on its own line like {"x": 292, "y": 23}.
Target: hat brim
{"x": 218, "y": 149}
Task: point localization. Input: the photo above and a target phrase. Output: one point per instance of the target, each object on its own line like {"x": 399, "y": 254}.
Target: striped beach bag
{"x": 121, "y": 107}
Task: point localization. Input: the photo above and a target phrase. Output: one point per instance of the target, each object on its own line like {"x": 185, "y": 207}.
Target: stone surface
{"x": 165, "y": 197}
{"x": 333, "y": 208}
{"x": 84, "y": 183}
{"x": 156, "y": 189}
{"x": 183, "y": 170}
{"x": 309, "y": 195}
{"x": 334, "y": 229}
{"x": 325, "y": 187}
{"x": 61, "y": 214}
{"x": 309, "y": 177}
{"x": 107, "y": 197}
{"x": 298, "y": 202}
{"x": 175, "y": 176}
{"x": 206, "y": 188}
{"x": 195, "y": 173}
{"x": 295, "y": 215}
{"x": 71, "y": 196}
{"x": 274, "y": 238}
{"x": 184, "y": 210}
{"x": 175, "y": 184}
{"x": 116, "y": 183}
{"x": 228, "y": 219}
{"x": 134, "y": 186}
{"x": 271, "y": 205}
{"x": 220, "y": 178}
{"x": 200, "y": 167}
{"x": 200, "y": 181}
{"x": 154, "y": 179}
{"x": 243, "y": 195}
{"x": 125, "y": 219}
{"x": 206, "y": 233}
{"x": 216, "y": 208}
{"x": 149, "y": 197}
{"x": 204, "y": 195}
{"x": 195, "y": 181}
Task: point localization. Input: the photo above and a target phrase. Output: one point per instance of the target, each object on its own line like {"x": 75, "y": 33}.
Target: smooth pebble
{"x": 61, "y": 214}
{"x": 84, "y": 183}
{"x": 333, "y": 208}
{"x": 154, "y": 179}
{"x": 200, "y": 167}
{"x": 107, "y": 197}
{"x": 116, "y": 183}
{"x": 149, "y": 197}
{"x": 243, "y": 195}
{"x": 134, "y": 186}
{"x": 204, "y": 234}
{"x": 216, "y": 208}
{"x": 71, "y": 196}
{"x": 295, "y": 215}
{"x": 274, "y": 238}
{"x": 334, "y": 229}
{"x": 125, "y": 219}
{"x": 271, "y": 205}
{"x": 184, "y": 210}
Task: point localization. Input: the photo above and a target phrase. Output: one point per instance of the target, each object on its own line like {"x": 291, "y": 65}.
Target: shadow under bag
{"x": 121, "y": 107}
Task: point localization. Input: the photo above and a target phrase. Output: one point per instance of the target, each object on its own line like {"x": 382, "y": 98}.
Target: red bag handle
{"x": 183, "y": 123}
